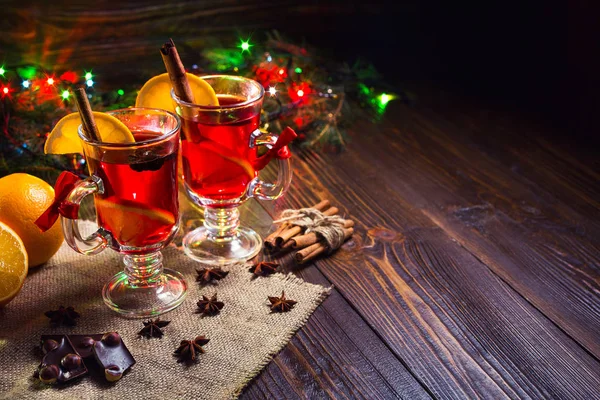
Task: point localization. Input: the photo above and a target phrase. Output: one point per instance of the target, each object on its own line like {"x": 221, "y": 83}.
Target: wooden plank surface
{"x": 545, "y": 248}
{"x": 336, "y": 354}
{"x": 459, "y": 329}
{"x": 538, "y": 154}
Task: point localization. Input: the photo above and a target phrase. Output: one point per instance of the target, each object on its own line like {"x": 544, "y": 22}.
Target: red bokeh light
{"x": 299, "y": 91}
{"x": 69, "y": 76}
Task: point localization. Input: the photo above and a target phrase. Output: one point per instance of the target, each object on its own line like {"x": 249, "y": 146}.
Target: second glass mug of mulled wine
{"x": 136, "y": 199}
{"x": 221, "y": 162}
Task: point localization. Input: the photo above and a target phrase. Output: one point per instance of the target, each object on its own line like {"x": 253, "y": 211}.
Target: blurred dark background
{"x": 538, "y": 58}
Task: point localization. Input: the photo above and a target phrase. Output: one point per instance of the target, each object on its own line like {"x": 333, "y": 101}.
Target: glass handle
{"x": 265, "y": 190}
{"x": 98, "y": 240}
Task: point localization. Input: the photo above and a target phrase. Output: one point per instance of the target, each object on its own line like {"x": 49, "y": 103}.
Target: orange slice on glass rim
{"x": 156, "y": 93}
{"x": 64, "y": 138}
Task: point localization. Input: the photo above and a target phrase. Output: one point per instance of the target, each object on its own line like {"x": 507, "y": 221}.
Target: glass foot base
{"x": 245, "y": 245}
{"x": 148, "y": 301}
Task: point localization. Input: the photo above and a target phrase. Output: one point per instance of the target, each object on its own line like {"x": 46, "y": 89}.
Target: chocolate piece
{"x": 49, "y": 345}
{"x": 49, "y": 374}
{"x": 71, "y": 361}
{"x": 112, "y": 373}
{"x": 83, "y": 343}
{"x": 113, "y": 356}
{"x": 111, "y": 339}
{"x": 61, "y": 363}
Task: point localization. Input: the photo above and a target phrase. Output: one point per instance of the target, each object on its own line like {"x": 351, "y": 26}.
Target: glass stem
{"x": 143, "y": 270}
{"x": 222, "y": 223}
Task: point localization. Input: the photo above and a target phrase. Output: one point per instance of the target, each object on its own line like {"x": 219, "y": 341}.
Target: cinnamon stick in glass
{"x": 176, "y": 72}
{"x": 87, "y": 117}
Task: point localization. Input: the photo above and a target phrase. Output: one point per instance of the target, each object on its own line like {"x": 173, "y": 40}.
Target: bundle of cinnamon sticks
{"x": 308, "y": 245}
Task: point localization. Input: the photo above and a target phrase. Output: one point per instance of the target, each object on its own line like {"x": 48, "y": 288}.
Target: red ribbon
{"x": 65, "y": 183}
{"x": 280, "y": 150}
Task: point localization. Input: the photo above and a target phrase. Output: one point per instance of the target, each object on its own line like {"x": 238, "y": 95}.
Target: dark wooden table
{"x": 474, "y": 269}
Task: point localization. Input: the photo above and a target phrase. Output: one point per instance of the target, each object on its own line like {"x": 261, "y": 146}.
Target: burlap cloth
{"x": 243, "y": 338}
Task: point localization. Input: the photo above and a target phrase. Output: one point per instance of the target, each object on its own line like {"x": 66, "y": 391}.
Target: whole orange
{"x": 23, "y": 198}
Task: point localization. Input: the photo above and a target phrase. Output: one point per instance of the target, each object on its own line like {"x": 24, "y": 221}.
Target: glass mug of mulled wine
{"x": 220, "y": 158}
{"x": 136, "y": 200}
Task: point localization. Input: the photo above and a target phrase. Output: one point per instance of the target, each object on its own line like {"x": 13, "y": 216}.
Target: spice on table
{"x": 210, "y": 306}
{"x": 189, "y": 349}
{"x": 296, "y": 230}
{"x": 206, "y": 275}
{"x": 281, "y": 304}
{"x": 264, "y": 268}
{"x": 63, "y": 316}
{"x": 274, "y": 241}
{"x": 316, "y": 249}
{"x": 312, "y": 231}
{"x": 269, "y": 241}
{"x": 153, "y": 328}
{"x": 302, "y": 241}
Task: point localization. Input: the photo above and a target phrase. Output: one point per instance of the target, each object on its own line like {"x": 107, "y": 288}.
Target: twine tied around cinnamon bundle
{"x": 312, "y": 231}
{"x": 328, "y": 227}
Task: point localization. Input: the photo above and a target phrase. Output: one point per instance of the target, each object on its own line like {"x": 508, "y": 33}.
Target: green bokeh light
{"x": 2, "y": 70}
{"x": 364, "y": 89}
{"x": 384, "y": 99}
{"x": 298, "y": 70}
{"x": 27, "y": 72}
{"x": 120, "y": 92}
{"x": 65, "y": 94}
{"x": 88, "y": 76}
{"x": 245, "y": 45}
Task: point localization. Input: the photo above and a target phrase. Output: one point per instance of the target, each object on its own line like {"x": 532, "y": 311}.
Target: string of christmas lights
{"x": 316, "y": 97}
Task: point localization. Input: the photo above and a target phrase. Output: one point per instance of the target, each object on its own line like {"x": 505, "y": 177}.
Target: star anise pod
{"x": 189, "y": 349}
{"x": 264, "y": 268}
{"x": 210, "y": 306}
{"x": 206, "y": 275}
{"x": 281, "y": 304}
{"x": 63, "y": 316}
{"x": 152, "y": 328}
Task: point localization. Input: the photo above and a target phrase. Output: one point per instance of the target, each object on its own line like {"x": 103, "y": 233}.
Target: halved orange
{"x": 156, "y": 93}
{"x": 13, "y": 264}
{"x": 64, "y": 138}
